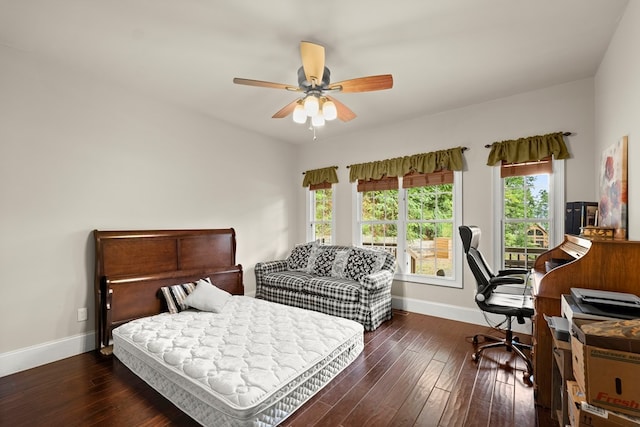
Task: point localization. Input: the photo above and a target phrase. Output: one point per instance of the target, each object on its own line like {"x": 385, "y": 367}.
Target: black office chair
{"x": 491, "y": 299}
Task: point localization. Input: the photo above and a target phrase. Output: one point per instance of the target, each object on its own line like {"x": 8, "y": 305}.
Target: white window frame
{"x": 556, "y": 209}
{"x": 403, "y": 259}
{"x": 310, "y": 214}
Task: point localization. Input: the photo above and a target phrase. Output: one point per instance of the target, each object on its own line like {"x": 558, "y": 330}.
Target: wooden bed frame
{"x": 131, "y": 266}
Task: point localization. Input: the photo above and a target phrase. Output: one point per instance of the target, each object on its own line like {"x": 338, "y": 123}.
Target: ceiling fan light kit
{"x": 314, "y": 83}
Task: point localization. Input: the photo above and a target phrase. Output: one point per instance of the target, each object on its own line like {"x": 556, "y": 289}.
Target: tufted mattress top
{"x": 244, "y": 361}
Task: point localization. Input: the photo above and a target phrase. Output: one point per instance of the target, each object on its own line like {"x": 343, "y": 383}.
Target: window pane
{"x": 425, "y": 246}
{"x": 526, "y": 221}
{"x": 429, "y": 230}
{"x": 323, "y": 232}
{"x": 323, "y": 204}
{"x": 526, "y": 196}
{"x": 429, "y": 246}
{"x": 444, "y": 206}
{"x": 390, "y": 202}
{"x": 321, "y": 214}
{"x": 379, "y": 235}
{"x": 380, "y": 205}
{"x": 524, "y": 242}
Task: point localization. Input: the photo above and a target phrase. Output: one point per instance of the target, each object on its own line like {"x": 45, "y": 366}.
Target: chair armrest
{"x": 512, "y": 271}
{"x": 505, "y": 280}
{"x": 376, "y": 281}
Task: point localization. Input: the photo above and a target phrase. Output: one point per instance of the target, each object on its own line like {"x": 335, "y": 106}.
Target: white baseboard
{"x": 454, "y": 312}
{"x": 40, "y": 354}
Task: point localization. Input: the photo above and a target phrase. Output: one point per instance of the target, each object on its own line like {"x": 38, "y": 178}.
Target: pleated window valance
{"x": 320, "y": 178}
{"x": 418, "y": 163}
{"x": 529, "y": 149}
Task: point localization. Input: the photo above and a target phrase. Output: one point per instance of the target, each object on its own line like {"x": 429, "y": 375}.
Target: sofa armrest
{"x": 263, "y": 268}
{"x": 377, "y": 281}
{"x": 271, "y": 266}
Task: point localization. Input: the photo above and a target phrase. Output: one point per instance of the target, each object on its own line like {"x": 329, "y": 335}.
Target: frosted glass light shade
{"x": 311, "y": 105}
{"x": 299, "y": 115}
{"x": 329, "y": 110}
{"x": 317, "y": 120}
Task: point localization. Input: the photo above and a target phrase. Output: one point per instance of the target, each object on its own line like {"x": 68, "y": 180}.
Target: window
{"x": 379, "y": 212}
{"x": 320, "y": 214}
{"x": 528, "y": 211}
{"x": 416, "y": 218}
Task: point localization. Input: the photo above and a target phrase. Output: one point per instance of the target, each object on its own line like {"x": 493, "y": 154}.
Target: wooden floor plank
{"x": 415, "y": 370}
{"x": 433, "y": 408}
{"x": 414, "y": 403}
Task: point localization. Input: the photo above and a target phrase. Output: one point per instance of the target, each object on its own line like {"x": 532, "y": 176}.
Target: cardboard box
{"x": 608, "y": 377}
{"x": 582, "y": 414}
{"x": 613, "y": 343}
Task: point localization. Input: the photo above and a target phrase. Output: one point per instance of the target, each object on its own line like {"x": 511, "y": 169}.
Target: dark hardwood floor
{"x": 415, "y": 370}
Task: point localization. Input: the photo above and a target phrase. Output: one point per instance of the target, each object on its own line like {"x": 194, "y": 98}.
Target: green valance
{"x": 529, "y": 149}
{"x": 420, "y": 163}
{"x": 319, "y": 176}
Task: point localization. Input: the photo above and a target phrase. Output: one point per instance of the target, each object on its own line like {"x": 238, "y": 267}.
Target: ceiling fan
{"x": 314, "y": 84}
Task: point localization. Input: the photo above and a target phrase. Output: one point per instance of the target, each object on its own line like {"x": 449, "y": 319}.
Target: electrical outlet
{"x": 82, "y": 314}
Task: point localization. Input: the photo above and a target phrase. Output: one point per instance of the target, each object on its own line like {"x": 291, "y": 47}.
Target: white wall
{"x": 567, "y": 107}
{"x": 77, "y": 154}
{"x": 617, "y": 103}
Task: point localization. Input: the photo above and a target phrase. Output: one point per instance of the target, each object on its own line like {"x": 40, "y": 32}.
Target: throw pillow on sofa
{"x": 362, "y": 262}
{"x": 339, "y": 263}
{"x": 321, "y": 260}
{"x": 298, "y": 260}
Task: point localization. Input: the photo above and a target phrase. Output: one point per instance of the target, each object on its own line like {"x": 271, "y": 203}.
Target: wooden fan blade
{"x": 260, "y": 83}
{"x": 312, "y": 61}
{"x": 286, "y": 110}
{"x": 364, "y": 84}
{"x": 344, "y": 113}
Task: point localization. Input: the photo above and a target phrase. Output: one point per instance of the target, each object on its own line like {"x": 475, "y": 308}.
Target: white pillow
{"x": 207, "y": 297}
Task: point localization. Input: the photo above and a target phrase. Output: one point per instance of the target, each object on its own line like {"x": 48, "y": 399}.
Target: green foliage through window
{"x": 526, "y": 219}
{"x": 429, "y": 226}
{"x": 322, "y": 213}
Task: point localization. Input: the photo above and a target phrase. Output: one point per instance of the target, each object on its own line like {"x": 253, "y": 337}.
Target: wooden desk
{"x": 612, "y": 265}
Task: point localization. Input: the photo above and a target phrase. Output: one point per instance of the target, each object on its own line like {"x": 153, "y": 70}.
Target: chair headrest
{"x": 470, "y": 235}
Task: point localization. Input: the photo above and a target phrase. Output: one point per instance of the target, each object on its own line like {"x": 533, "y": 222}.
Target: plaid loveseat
{"x": 344, "y": 281}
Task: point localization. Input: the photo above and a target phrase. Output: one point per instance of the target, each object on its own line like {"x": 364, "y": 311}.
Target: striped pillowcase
{"x": 175, "y": 295}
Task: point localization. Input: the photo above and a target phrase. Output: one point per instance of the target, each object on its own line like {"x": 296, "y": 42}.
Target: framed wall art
{"x": 612, "y": 207}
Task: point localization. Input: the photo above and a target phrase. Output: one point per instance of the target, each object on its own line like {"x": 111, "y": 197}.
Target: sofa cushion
{"x": 333, "y": 288}
{"x": 362, "y": 262}
{"x": 298, "y": 260}
{"x": 322, "y": 259}
{"x": 291, "y": 280}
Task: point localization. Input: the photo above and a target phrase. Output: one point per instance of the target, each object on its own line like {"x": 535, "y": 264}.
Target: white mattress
{"x": 253, "y": 364}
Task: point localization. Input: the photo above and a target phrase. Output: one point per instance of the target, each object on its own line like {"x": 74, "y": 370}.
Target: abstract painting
{"x": 612, "y": 207}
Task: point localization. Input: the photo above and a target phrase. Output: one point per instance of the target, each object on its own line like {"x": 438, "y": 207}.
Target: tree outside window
{"x": 380, "y": 219}
{"x": 322, "y": 215}
{"x": 430, "y": 229}
{"x": 424, "y": 215}
{"x": 526, "y": 219}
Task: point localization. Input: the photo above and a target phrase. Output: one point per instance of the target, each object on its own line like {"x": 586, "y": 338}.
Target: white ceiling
{"x": 443, "y": 54}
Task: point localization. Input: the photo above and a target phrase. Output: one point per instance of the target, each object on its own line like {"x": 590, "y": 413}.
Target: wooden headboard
{"x": 131, "y": 266}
